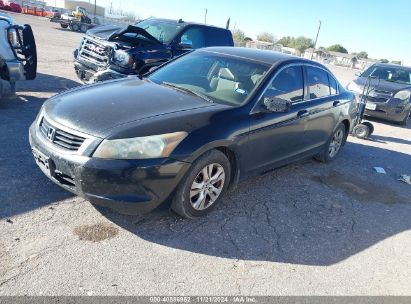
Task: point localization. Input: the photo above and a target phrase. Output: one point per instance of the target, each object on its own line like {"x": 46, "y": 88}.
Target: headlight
{"x": 14, "y": 41}
{"x": 156, "y": 146}
{"x": 352, "y": 86}
{"x": 122, "y": 58}
{"x": 403, "y": 95}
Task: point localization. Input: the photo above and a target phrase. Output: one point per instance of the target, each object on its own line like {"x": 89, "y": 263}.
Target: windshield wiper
{"x": 186, "y": 90}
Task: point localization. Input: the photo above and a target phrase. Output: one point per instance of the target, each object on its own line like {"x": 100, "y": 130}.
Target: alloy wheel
{"x": 336, "y": 143}
{"x": 207, "y": 186}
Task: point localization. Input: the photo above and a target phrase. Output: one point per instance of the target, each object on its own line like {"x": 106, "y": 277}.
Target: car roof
{"x": 186, "y": 23}
{"x": 264, "y": 56}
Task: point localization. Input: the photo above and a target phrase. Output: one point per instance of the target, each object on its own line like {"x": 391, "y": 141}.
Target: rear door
{"x": 322, "y": 105}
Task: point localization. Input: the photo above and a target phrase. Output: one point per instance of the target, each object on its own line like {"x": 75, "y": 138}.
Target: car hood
{"x": 99, "y": 108}
{"x": 383, "y": 86}
{"x": 110, "y": 32}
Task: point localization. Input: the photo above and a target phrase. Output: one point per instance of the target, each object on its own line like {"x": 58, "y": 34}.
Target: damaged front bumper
{"x": 89, "y": 72}
{"x": 127, "y": 186}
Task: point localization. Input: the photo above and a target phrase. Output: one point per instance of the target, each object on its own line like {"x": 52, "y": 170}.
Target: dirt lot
{"x": 308, "y": 228}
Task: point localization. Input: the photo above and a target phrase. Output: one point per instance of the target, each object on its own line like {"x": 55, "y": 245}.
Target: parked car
{"x": 113, "y": 51}
{"x": 10, "y": 6}
{"x": 191, "y": 129}
{"x": 390, "y": 97}
{"x": 18, "y": 56}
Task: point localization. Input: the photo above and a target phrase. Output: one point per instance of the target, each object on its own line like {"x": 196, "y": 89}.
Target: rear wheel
{"x": 83, "y": 28}
{"x": 203, "y": 186}
{"x": 334, "y": 145}
{"x": 75, "y": 27}
{"x": 361, "y": 131}
{"x": 64, "y": 25}
{"x": 370, "y": 127}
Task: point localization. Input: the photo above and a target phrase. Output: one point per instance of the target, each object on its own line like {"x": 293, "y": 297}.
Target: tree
{"x": 286, "y": 41}
{"x": 396, "y": 62}
{"x": 267, "y": 37}
{"x": 302, "y": 43}
{"x": 238, "y": 36}
{"x": 248, "y": 39}
{"x": 337, "y": 48}
{"x": 362, "y": 54}
{"x": 384, "y": 60}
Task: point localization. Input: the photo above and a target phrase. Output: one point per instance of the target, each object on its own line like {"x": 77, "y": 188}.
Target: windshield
{"x": 161, "y": 30}
{"x": 219, "y": 78}
{"x": 393, "y": 74}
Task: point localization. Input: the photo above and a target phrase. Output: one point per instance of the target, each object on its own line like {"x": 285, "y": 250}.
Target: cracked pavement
{"x": 304, "y": 229}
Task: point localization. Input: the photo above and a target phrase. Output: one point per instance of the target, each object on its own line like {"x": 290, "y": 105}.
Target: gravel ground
{"x": 305, "y": 229}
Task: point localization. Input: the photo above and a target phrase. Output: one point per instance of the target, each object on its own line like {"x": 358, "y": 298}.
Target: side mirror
{"x": 185, "y": 44}
{"x": 278, "y": 105}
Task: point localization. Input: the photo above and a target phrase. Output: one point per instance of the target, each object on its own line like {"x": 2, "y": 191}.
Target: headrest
{"x": 226, "y": 74}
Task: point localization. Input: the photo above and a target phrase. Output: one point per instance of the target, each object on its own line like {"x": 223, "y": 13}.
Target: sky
{"x": 380, "y": 27}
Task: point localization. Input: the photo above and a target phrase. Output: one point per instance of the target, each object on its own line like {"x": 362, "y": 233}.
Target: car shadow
{"x": 23, "y": 187}
{"x": 386, "y": 139}
{"x": 306, "y": 213}
{"x": 46, "y": 83}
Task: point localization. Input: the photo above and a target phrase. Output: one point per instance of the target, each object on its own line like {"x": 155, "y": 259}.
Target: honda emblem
{"x": 50, "y": 134}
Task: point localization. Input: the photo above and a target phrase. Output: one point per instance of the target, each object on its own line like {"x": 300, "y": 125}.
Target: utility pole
{"x": 316, "y": 39}
{"x": 205, "y": 16}
{"x": 95, "y": 8}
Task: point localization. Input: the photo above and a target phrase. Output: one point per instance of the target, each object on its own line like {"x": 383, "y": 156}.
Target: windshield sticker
{"x": 241, "y": 91}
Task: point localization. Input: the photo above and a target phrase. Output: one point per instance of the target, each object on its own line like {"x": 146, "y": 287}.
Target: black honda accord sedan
{"x": 191, "y": 129}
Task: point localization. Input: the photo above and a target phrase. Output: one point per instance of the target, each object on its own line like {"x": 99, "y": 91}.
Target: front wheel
{"x": 406, "y": 118}
{"x": 203, "y": 185}
{"x": 334, "y": 145}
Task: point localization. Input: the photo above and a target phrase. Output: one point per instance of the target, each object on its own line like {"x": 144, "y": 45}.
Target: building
{"x": 340, "y": 59}
{"x": 71, "y": 5}
{"x": 263, "y": 45}
{"x": 289, "y": 50}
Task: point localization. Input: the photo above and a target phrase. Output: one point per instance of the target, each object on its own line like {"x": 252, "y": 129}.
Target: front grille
{"x": 94, "y": 52}
{"x": 59, "y": 137}
{"x": 377, "y": 99}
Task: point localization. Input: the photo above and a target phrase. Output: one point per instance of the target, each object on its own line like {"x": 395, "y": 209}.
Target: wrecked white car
{"x": 18, "y": 55}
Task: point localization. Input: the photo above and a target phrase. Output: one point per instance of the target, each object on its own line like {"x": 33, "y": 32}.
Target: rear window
{"x": 333, "y": 85}
{"x": 318, "y": 82}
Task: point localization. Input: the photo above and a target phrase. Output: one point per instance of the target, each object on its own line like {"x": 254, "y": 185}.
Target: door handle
{"x": 336, "y": 103}
{"x": 302, "y": 114}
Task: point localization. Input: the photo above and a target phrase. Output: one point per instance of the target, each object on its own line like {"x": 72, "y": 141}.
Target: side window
{"x": 333, "y": 85}
{"x": 217, "y": 37}
{"x": 318, "y": 82}
{"x": 196, "y": 36}
{"x": 288, "y": 85}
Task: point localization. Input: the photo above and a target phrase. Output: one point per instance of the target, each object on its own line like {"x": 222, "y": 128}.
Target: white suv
{"x": 18, "y": 55}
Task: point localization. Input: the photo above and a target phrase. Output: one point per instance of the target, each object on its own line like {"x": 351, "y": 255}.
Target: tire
{"x": 75, "y": 27}
{"x": 370, "y": 127}
{"x": 406, "y": 118}
{"x": 64, "y": 25}
{"x": 83, "y": 28}
{"x": 187, "y": 201}
{"x": 361, "y": 131}
{"x": 337, "y": 140}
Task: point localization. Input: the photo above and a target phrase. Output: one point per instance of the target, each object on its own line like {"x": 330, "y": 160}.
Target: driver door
{"x": 193, "y": 34}
{"x": 275, "y": 138}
